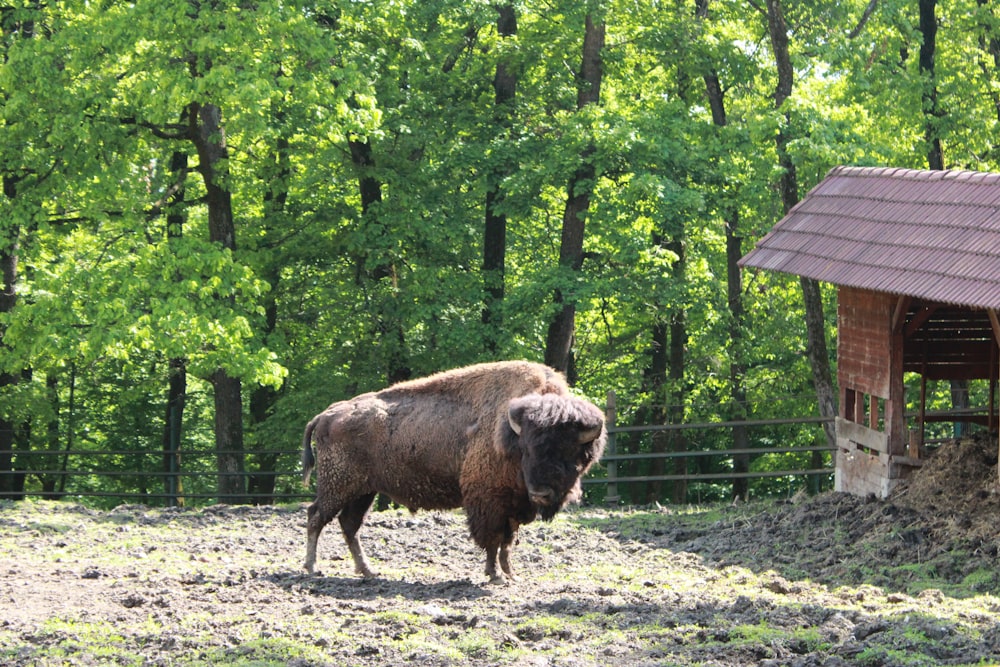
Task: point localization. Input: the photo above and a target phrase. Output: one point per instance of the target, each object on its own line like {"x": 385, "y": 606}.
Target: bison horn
{"x": 589, "y": 434}
{"x": 514, "y": 426}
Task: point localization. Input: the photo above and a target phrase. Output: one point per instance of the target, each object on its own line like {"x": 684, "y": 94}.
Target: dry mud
{"x": 827, "y": 580}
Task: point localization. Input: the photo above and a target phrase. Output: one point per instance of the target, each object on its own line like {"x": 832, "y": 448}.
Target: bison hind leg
{"x": 505, "y": 561}
{"x": 351, "y": 518}
{"x": 318, "y": 518}
{"x": 491, "y": 564}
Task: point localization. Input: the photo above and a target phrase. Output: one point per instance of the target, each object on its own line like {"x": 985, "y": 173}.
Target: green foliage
{"x": 321, "y": 300}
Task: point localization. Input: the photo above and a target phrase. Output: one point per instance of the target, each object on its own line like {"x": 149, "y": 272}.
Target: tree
{"x": 209, "y": 137}
{"x": 177, "y": 373}
{"x": 495, "y": 224}
{"x": 819, "y": 358}
{"x": 558, "y": 343}
{"x": 21, "y": 171}
{"x": 738, "y": 321}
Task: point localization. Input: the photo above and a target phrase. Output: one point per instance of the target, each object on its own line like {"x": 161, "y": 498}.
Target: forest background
{"x": 219, "y": 217}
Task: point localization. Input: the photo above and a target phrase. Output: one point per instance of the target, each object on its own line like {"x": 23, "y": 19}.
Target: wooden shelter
{"x": 915, "y": 256}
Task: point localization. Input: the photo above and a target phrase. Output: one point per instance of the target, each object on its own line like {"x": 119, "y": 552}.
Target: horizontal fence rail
{"x": 612, "y": 458}
{"x": 729, "y": 424}
{"x": 79, "y": 473}
{"x": 88, "y": 465}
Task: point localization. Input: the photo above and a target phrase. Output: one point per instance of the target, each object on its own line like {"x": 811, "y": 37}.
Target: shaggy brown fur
{"x": 505, "y": 441}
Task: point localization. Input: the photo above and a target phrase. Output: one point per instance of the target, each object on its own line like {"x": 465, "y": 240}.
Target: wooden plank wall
{"x": 865, "y": 457}
{"x": 864, "y": 340}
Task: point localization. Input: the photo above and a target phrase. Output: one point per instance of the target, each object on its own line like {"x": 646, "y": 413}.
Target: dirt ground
{"x": 827, "y": 580}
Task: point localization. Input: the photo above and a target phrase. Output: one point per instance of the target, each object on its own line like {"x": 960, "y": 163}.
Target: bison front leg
{"x": 503, "y": 551}
{"x": 500, "y": 547}
{"x": 493, "y": 530}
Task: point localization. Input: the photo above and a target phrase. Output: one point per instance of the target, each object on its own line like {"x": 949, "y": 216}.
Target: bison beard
{"x": 505, "y": 441}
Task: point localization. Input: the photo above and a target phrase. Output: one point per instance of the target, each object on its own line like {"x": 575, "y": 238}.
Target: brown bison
{"x": 505, "y": 441}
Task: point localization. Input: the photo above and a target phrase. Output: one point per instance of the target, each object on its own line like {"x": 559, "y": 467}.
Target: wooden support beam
{"x": 995, "y": 325}
{"x": 919, "y": 319}
{"x": 895, "y": 405}
{"x": 899, "y": 313}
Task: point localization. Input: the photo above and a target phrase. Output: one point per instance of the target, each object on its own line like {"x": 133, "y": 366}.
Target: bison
{"x": 505, "y": 441}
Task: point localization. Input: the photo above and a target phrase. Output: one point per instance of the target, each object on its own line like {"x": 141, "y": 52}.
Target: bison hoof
{"x": 500, "y": 579}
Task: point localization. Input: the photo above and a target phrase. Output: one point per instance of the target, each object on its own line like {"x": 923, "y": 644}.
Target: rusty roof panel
{"x": 934, "y": 235}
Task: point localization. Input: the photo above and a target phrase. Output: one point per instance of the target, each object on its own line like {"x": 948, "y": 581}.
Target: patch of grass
{"x": 481, "y": 645}
{"x": 920, "y": 639}
{"x": 915, "y": 577}
{"x": 12, "y": 649}
{"x": 542, "y": 626}
{"x": 878, "y": 655}
{"x": 763, "y": 634}
{"x": 269, "y": 652}
{"x": 96, "y": 643}
{"x": 981, "y": 580}
{"x": 415, "y": 635}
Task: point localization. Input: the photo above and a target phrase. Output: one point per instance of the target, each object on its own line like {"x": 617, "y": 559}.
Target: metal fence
{"x": 140, "y": 476}
{"x": 83, "y": 474}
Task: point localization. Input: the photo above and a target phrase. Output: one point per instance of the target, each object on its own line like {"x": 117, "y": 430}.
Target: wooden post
{"x": 895, "y": 420}
{"x": 610, "y": 412}
{"x": 995, "y": 325}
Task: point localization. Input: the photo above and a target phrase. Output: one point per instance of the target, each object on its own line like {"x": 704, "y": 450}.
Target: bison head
{"x": 557, "y": 439}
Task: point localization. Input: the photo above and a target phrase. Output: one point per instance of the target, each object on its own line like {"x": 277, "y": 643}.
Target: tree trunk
{"x": 173, "y": 424}
{"x": 932, "y": 111}
{"x": 229, "y": 453}
{"x": 935, "y": 152}
{"x": 263, "y": 398}
{"x": 495, "y": 228}
{"x": 210, "y": 140}
{"x": 675, "y": 376}
{"x": 734, "y": 297}
{"x": 70, "y": 428}
{"x": 654, "y": 384}
{"x": 819, "y": 358}
{"x": 50, "y": 483}
{"x": 11, "y": 483}
{"x": 177, "y": 372}
{"x": 559, "y": 341}
{"x": 663, "y": 381}
{"x": 737, "y": 361}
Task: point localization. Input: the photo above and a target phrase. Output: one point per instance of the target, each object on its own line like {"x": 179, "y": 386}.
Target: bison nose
{"x": 542, "y": 496}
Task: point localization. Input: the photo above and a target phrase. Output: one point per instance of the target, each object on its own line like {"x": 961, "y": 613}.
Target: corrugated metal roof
{"x": 934, "y": 235}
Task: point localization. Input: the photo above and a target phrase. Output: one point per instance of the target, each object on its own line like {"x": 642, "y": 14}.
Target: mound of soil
{"x": 958, "y": 482}
{"x": 937, "y": 530}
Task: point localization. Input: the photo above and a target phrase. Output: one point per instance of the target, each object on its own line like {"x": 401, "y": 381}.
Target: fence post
{"x": 611, "y": 497}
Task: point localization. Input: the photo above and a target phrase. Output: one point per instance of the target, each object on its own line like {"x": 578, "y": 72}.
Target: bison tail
{"x": 308, "y": 458}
